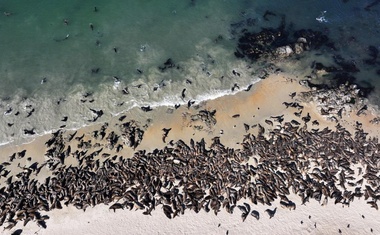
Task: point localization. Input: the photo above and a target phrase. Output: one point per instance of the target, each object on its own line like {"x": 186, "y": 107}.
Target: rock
{"x": 332, "y": 102}
{"x": 256, "y": 45}
{"x": 298, "y": 48}
{"x": 284, "y": 51}
{"x": 271, "y": 42}
{"x": 347, "y": 66}
{"x": 329, "y": 69}
{"x": 314, "y": 39}
{"x": 205, "y": 116}
{"x": 302, "y": 40}
{"x": 373, "y": 53}
{"x": 132, "y": 134}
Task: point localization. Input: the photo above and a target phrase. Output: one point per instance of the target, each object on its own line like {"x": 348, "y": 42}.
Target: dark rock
{"x": 373, "y": 53}
{"x": 329, "y": 69}
{"x": 275, "y": 42}
{"x": 365, "y": 89}
{"x": 218, "y": 39}
{"x": 254, "y": 45}
{"x": 238, "y": 24}
{"x": 315, "y": 39}
{"x": 315, "y": 85}
{"x": 268, "y": 13}
{"x": 238, "y": 54}
{"x": 331, "y": 45}
{"x": 347, "y": 66}
{"x": 343, "y": 78}
{"x": 251, "y": 22}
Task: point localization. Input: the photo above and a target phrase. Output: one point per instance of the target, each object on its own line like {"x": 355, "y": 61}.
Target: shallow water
{"x": 47, "y": 65}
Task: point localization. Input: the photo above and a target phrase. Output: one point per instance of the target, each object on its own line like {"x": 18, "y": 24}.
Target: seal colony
{"x": 280, "y": 158}
{"x": 285, "y": 158}
{"x": 255, "y": 156}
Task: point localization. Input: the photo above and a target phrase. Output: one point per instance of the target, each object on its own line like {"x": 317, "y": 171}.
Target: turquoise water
{"x": 48, "y": 65}
{"x": 30, "y": 50}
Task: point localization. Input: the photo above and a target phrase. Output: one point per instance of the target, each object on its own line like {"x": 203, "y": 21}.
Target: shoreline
{"x": 235, "y": 116}
{"x": 32, "y": 111}
{"x": 136, "y": 114}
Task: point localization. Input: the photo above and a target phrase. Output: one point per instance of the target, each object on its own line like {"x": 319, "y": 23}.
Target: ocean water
{"x": 62, "y": 58}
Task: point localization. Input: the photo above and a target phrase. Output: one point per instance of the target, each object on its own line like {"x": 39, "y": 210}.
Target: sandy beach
{"x": 323, "y": 220}
{"x": 189, "y": 117}
{"x": 230, "y": 118}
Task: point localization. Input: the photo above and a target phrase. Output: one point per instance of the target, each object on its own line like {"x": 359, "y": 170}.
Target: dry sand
{"x": 253, "y": 107}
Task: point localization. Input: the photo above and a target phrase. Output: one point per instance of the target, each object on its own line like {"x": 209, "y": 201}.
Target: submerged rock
{"x": 275, "y": 43}
{"x": 314, "y": 39}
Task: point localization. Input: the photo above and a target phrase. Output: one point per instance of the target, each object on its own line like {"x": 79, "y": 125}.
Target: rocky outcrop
{"x": 132, "y": 134}
{"x": 275, "y": 43}
{"x": 333, "y": 103}
{"x": 205, "y": 117}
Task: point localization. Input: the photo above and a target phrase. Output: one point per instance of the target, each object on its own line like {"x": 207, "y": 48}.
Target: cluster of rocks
{"x": 306, "y": 40}
{"x": 373, "y": 54}
{"x": 276, "y": 43}
{"x": 273, "y": 44}
{"x": 332, "y": 76}
{"x": 256, "y": 45}
{"x": 132, "y": 134}
{"x": 333, "y": 103}
{"x": 205, "y": 116}
{"x": 112, "y": 140}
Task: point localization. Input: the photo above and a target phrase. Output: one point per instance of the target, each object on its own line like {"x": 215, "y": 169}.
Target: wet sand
{"x": 263, "y": 100}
